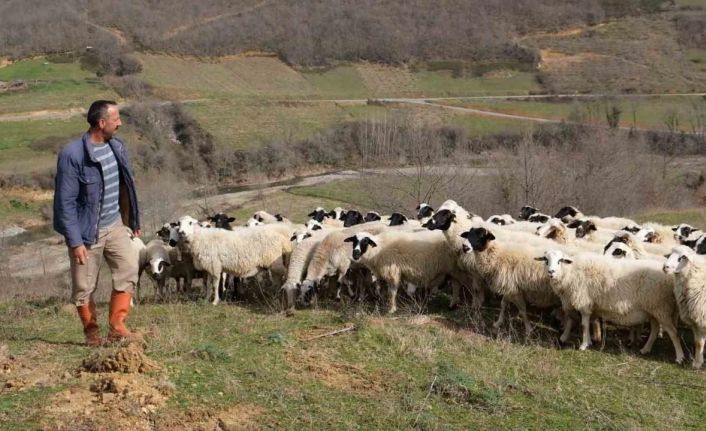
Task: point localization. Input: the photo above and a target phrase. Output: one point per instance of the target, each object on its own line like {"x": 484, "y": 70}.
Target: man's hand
{"x": 80, "y": 254}
{"x": 137, "y": 232}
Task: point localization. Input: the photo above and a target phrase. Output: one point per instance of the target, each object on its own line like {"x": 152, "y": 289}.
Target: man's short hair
{"x": 98, "y": 111}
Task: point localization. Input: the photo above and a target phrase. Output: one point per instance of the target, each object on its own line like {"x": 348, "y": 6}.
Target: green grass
{"x": 695, "y": 217}
{"x": 43, "y": 70}
{"x": 388, "y": 374}
{"x": 691, "y": 3}
{"x": 698, "y": 58}
{"x": 354, "y": 193}
{"x": 338, "y": 82}
{"x": 650, "y": 112}
{"x": 55, "y": 95}
{"x": 441, "y": 83}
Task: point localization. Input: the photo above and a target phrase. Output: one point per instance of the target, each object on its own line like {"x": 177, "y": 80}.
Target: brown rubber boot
{"x": 119, "y": 309}
{"x": 89, "y": 319}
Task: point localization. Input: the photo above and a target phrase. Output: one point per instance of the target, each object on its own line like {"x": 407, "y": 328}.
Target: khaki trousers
{"x": 115, "y": 245}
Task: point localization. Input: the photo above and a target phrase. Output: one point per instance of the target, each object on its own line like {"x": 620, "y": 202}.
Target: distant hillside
{"x": 302, "y": 32}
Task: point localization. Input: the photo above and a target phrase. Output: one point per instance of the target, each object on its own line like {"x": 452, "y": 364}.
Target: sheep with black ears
{"x": 396, "y": 257}
{"x": 686, "y": 232}
{"x": 627, "y": 292}
{"x": 424, "y": 212}
{"x": 690, "y": 291}
{"x": 512, "y": 272}
{"x": 299, "y": 261}
{"x": 698, "y": 245}
{"x": 331, "y": 258}
{"x": 155, "y": 259}
{"x": 501, "y": 219}
{"x": 242, "y": 252}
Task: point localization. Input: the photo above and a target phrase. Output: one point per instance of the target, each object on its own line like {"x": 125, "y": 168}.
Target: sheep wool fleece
{"x": 113, "y": 244}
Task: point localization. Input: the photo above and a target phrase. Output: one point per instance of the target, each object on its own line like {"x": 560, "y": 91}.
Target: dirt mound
{"x": 111, "y": 401}
{"x": 126, "y": 359}
{"x": 237, "y": 418}
{"x": 22, "y": 372}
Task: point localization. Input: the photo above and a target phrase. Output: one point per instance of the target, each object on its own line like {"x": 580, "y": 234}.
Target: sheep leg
{"x": 392, "y": 297}
{"x": 671, "y": 329}
{"x": 586, "y": 330}
{"x": 654, "y": 329}
{"x": 519, "y": 302}
{"x": 501, "y": 317}
{"x": 478, "y": 293}
{"x": 597, "y": 333}
{"x": 568, "y": 324}
{"x": 699, "y": 337}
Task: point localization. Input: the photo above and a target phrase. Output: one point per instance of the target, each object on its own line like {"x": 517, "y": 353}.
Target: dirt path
{"x": 176, "y": 31}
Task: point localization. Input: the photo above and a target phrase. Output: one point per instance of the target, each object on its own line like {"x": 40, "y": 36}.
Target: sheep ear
{"x": 566, "y": 260}
{"x": 231, "y": 219}
{"x": 307, "y": 235}
{"x": 417, "y": 208}
{"x": 293, "y": 238}
{"x": 541, "y": 258}
{"x": 426, "y": 223}
{"x": 490, "y": 236}
{"x": 311, "y": 214}
{"x": 349, "y": 239}
{"x": 167, "y": 263}
{"x": 279, "y": 217}
{"x": 174, "y": 224}
{"x": 573, "y": 225}
{"x": 316, "y": 227}
{"x": 372, "y": 243}
{"x": 675, "y": 228}
{"x": 465, "y": 234}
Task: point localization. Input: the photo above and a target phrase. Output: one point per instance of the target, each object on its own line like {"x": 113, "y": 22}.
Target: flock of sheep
{"x": 594, "y": 269}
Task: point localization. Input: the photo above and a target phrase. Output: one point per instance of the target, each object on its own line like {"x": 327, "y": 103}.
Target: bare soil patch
{"x": 130, "y": 358}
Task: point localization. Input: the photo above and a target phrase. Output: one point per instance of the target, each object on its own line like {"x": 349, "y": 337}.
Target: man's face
{"x": 111, "y": 123}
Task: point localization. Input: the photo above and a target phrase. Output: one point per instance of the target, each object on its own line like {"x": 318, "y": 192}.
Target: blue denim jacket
{"x": 78, "y": 191}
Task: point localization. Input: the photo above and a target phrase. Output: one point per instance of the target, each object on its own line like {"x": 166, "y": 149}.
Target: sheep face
{"x": 497, "y": 220}
{"x": 683, "y": 231}
{"x": 583, "y": 227}
{"x": 307, "y": 290}
{"x": 678, "y": 259}
{"x": 553, "y": 260}
{"x": 424, "y": 210}
{"x": 169, "y": 234}
{"x": 548, "y": 229}
{"x": 352, "y": 218}
{"x": 567, "y": 214}
{"x": 300, "y": 235}
{"x": 477, "y": 239}
{"x": 372, "y": 216}
{"x": 619, "y": 250}
{"x": 441, "y": 220}
{"x": 186, "y": 226}
{"x": 538, "y": 218}
{"x": 221, "y": 221}
{"x": 397, "y": 219}
{"x": 632, "y": 229}
{"x": 361, "y": 243}
{"x": 253, "y": 222}
{"x": 312, "y": 225}
{"x": 337, "y": 213}
{"x": 157, "y": 267}
{"x": 526, "y": 211}
{"x": 647, "y": 234}
{"x": 318, "y": 214}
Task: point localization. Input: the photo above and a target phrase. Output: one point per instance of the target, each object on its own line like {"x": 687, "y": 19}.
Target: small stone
{"x": 107, "y": 397}
{"x": 220, "y": 394}
{"x": 193, "y": 385}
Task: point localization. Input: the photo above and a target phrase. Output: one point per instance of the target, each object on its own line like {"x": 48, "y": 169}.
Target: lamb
{"x": 627, "y": 292}
{"x": 299, "y": 261}
{"x": 331, "y": 258}
{"x": 267, "y": 218}
{"x": 512, "y": 272}
{"x": 156, "y": 257}
{"x": 242, "y": 252}
{"x": 182, "y": 264}
{"x": 420, "y": 258}
{"x": 689, "y": 272}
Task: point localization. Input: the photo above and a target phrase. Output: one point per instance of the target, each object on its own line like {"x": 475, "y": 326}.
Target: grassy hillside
{"x": 248, "y": 365}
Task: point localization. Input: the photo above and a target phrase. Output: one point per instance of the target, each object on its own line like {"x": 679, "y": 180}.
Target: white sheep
{"x": 331, "y": 258}
{"x": 501, "y": 219}
{"x": 686, "y": 232}
{"x": 155, "y": 259}
{"x": 690, "y": 291}
{"x": 417, "y": 258}
{"x": 299, "y": 261}
{"x": 512, "y": 272}
{"x": 626, "y": 292}
{"x": 241, "y": 252}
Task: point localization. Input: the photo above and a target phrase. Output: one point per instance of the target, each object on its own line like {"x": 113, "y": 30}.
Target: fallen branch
{"x": 332, "y": 333}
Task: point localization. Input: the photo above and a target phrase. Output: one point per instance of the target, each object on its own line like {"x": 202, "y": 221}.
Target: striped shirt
{"x": 110, "y": 208}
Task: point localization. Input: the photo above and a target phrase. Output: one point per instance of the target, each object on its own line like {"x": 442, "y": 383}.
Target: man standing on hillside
{"x": 95, "y": 209}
